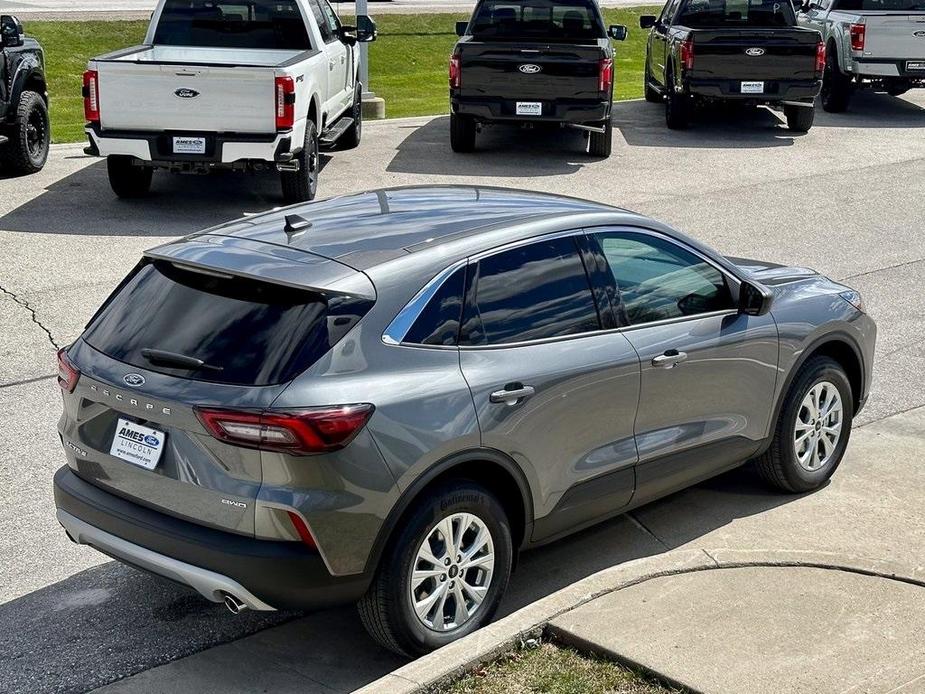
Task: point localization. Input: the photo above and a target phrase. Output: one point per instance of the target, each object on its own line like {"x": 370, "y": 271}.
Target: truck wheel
{"x": 799, "y": 118}
{"x": 601, "y": 144}
{"x": 301, "y": 185}
{"x": 652, "y": 96}
{"x": 352, "y": 136}
{"x": 443, "y": 575}
{"x": 897, "y": 88}
{"x": 462, "y": 133}
{"x": 836, "y": 87}
{"x": 126, "y": 179}
{"x": 677, "y": 110}
{"x": 30, "y": 136}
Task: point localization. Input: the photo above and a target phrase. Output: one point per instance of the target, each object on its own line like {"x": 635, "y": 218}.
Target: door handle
{"x": 512, "y": 394}
{"x": 669, "y": 359}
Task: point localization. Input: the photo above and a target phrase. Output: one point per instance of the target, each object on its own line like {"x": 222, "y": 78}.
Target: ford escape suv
{"x": 383, "y": 397}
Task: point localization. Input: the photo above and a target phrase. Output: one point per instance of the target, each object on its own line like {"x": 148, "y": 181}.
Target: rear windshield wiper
{"x": 160, "y": 357}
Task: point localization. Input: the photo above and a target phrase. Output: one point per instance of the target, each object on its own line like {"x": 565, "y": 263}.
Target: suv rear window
{"x": 245, "y": 332}
{"x": 546, "y": 20}
{"x": 702, "y": 14}
{"x": 264, "y": 24}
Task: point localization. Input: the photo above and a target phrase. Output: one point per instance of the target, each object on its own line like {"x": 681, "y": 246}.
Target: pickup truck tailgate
{"x": 148, "y": 95}
{"x": 494, "y": 69}
{"x": 755, "y": 54}
{"x": 894, "y": 36}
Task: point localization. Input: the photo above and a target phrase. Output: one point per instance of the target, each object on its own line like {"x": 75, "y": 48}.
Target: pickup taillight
{"x": 605, "y": 75}
{"x": 455, "y": 72}
{"x": 91, "y": 94}
{"x": 686, "y": 54}
{"x": 858, "y": 36}
{"x": 285, "y": 103}
{"x": 820, "y": 58}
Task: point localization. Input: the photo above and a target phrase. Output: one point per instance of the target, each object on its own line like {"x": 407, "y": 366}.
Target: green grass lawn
{"x": 408, "y": 63}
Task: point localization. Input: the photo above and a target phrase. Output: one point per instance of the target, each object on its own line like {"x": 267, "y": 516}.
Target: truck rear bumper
{"x": 774, "y": 91}
{"x": 219, "y": 148}
{"x": 489, "y": 109}
{"x": 261, "y": 574}
{"x": 887, "y": 67}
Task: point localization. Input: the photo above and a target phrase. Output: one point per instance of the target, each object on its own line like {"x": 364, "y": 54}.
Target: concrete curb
{"x": 461, "y": 656}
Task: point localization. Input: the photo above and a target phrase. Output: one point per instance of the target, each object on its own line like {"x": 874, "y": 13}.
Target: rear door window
{"x": 263, "y": 24}
{"x": 529, "y": 293}
{"x": 547, "y": 20}
{"x": 243, "y": 331}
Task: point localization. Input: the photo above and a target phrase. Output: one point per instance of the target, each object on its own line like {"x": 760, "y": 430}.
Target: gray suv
{"x": 384, "y": 397}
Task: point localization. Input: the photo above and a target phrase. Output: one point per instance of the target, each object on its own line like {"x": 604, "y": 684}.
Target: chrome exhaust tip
{"x": 234, "y": 605}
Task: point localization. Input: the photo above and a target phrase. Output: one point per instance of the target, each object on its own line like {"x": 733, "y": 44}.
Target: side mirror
{"x": 617, "y": 32}
{"x": 754, "y": 300}
{"x": 347, "y": 34}
{"x": 11, "y": 32}
{"x": 461, "y": 28}
{"x": 647, "y": 21}
{"x": 366, "y": 30}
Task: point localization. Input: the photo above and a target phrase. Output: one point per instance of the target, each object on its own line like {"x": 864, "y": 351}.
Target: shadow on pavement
{"x": 870, "y": 109}
{"x": 83, "y": 203}
{"x": 111, "y": 621}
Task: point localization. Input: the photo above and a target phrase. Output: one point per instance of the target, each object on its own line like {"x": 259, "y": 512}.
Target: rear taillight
{"x": 605, "y": 75}
{"x": 858, "y": 36}
{"x": 687, "y": 53}
{"x": 455, "y": 72}
{"x": 297, "y": 432}
{"x": 67, "y": 372}
{"x": 91, "y": 93}
{"x": 820, "y": 58}
{"x": 285, "y": 103}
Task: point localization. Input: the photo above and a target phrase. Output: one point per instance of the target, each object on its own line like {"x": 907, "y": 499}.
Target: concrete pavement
{"x": 845, "y": 199}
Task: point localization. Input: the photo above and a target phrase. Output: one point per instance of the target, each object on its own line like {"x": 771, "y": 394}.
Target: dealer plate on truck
{"x": 753, "y": 87}
{"x": 189, "y": 145}
{"x": 915, "y": 65}
{"x": 529, "y": 108}
{"x": 137, "y": 444}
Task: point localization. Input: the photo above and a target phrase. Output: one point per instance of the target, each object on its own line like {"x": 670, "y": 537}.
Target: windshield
{"x": 704, "y": 14}
{"x": 545, "y": 20}
{"x": 881, "y": 5}
{"x": 263, "y": 24}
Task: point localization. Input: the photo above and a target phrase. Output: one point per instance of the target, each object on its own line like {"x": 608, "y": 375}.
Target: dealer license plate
{"x": 915, "y": 65}
{"x": 529, "y": 108}
{"x": 189, "y": 145}
{"x": 753, "y": 87}
{"x": 137, "y": 444}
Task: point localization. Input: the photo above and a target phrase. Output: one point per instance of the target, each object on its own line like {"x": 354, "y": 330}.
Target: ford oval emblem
{"x": 529, "y": 68}
{"x": 185, "y": 93}
{"x": 151, "y": 441}
{"x": 754, "y": 52}
{"x": 919, "y": 34}
{"x": 133, "y": 380}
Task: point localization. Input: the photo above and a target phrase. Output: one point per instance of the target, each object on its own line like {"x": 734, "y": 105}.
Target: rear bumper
{"x": 263, "y": 574}
{"x": 221, "y": 148}
{"x": 886, "y": 67}
{"x": 553, "y": 110}
{"x": 776, "y": 90}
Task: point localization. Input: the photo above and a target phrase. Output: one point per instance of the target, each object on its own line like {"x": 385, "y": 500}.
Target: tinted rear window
{"x": 546, "y": 20}
{"x": 737, "y": 13}
{"x": 246, "y": 332}
{"x": 438, "y": 323}
{"x": 267, "y": 24}
{"x": 881, "y": 5}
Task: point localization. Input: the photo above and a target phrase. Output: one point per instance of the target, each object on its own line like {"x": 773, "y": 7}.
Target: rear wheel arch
{"x": 313, "y": 111}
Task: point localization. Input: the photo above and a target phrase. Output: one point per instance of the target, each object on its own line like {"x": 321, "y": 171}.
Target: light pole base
{"x": 373, "y": 106}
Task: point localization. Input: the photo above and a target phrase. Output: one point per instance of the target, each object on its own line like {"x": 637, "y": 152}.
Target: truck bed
{"x": 190, "y": 55}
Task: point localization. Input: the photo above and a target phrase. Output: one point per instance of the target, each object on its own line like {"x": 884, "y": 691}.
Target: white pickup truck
{"x": 246, "y": 85}
{"x": 878, "y": 44}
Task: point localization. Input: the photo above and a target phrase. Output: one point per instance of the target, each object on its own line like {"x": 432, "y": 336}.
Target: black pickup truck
{"x": 750, "y": 51}
{"x": 533, "y": 62}
{"x": 25, "y": 131}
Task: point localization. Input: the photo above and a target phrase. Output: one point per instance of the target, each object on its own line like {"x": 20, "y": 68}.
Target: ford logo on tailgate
{"x": 185, "y": 93}
{"x": 919, "y": 34}
{"x": 754, "y": 52}
{"x": 529, "y": 69}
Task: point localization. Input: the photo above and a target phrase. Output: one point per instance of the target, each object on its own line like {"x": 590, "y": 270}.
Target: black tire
{"x": 677, "y": 108}
{"x": 836, "y": 87}
{"x": 779, "y": 465}
{"x": 352, "y": 136}
{"x": 462, "y": 133}
{"x": 653, "y": 96}
{"x": 126, "y": 179}
{"x": 601, "y": 144}
{"x": 29, "y": 135}
{"x": 387, "y": 611}
{"x": 799, "y": 118}
{"x": 897, "y": 89}
{"x": 302, "y": 185}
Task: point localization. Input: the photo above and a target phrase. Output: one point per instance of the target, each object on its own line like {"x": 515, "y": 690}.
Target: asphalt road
{"x": 845, "y": 199}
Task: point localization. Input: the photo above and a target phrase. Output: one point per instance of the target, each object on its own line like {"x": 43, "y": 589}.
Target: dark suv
{"x": 25, "y": 130}
{"x": 384, "y": 397}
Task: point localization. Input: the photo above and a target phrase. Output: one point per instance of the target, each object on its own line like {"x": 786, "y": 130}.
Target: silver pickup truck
{"x": 876, "y": 44}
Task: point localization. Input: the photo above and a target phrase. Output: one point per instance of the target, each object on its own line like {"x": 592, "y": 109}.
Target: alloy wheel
{"x": 818, "y": 426}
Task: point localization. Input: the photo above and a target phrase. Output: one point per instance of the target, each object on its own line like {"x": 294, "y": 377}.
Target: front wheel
{"x": 799, "y": 118}
{"x": 443, "y": 576}
{"x": 653, "y": 96}
{"x": 352, "y": 136}
{"x": 601, "y": 144}
{"x": 302, "y": 185}
{"x": 30, "y": 136}
{"x": 812, "y": 429}
{"x": 127, "y": 179}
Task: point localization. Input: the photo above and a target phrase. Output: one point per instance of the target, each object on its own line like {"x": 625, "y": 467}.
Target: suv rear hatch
{"x": 194, "y": 327}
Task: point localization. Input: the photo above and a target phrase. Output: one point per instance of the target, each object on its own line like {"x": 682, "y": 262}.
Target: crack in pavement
{"x": 639, "y": 524}
{"x": 35, "y": 319}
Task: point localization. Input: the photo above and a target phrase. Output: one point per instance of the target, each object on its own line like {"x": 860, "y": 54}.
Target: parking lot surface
{"x": 845, "y": 199}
